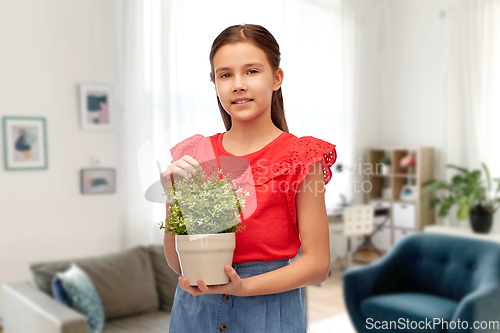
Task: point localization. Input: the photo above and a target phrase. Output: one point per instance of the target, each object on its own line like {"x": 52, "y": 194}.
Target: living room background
{"x": 53, "y": 45}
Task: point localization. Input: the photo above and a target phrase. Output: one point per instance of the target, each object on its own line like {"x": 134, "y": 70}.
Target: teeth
{"x": 243, "y": 101}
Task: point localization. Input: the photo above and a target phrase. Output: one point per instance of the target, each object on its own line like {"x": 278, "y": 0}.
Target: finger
{"x": 213, "y": 289}
{"x": 189, "y": 159}
{"x": 182, "y": 283}
{"x": 231, "y": 272}
{"x": 183, "y": 169}
{"x": 186, "y": 283}
{"x": 177, "y": 173}
{"x": 194, "y": 165}
{"x": 180, "y": 168}
{"x": 163, "y": 179}
{"x": 202, "y": 286}
{"x": 166, "y": 177}
{"x": 186, "y": 162}
{"x": 190, "y": 289}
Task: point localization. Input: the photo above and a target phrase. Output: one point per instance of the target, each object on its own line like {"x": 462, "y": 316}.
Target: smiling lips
{"x": 242, "y": 102}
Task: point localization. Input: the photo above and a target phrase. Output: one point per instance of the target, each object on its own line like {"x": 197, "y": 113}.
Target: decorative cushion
{"x": 58, "y": 291}
{"x": 84, "y": 297}
{"x": 125, "y": 280}
{"x": 166, "y": 278}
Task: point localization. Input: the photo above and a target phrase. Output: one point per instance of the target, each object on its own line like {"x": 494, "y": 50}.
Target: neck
{"x": 249, "y": 133}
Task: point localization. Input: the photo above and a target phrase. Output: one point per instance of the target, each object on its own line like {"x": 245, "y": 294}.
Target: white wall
{"x": 368, "y": 121}
{"x": 413, "y": 52}
{"x": 402, "y": 71}
{"x": 413, "y": 74}
{"x": 48, "y": 47}
{"x": 402, "y": 75}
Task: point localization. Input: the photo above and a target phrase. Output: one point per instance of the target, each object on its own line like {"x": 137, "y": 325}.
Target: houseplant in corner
{"x": 385, "y": 162}
{"x": 476, "y": 200}
{"x": 204, "y": 215}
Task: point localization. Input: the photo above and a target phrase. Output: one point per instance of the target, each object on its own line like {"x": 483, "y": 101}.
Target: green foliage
{"x": 204, "y": 205}
{"x": 467, "y": 190}
{"x": 385, "y": 160}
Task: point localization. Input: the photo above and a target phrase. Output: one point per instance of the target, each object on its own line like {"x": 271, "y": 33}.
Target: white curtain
{"x": 142, "y": 95}
{"x": 166, "y": 95}
{"x": 320, "y": 58}
{"x": 472, "y": 88}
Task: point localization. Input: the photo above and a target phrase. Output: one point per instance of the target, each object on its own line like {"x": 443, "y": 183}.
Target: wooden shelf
{"x": 395, "y": 175}
{"x": 405, "y": 201}
{"x": 406, "y": 216}
{"x": 404, "y": 175}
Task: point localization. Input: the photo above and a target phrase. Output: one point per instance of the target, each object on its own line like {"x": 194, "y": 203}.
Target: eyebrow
{"x": 246, "y": 65}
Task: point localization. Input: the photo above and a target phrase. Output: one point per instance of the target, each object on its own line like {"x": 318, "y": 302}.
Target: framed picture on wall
{"x": 97, "y": 180}
{"x": 96, "y": 107}
{"x": 24, "y": 143}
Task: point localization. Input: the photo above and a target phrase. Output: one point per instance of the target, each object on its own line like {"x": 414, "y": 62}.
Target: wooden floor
{"x": 326, "y": 299}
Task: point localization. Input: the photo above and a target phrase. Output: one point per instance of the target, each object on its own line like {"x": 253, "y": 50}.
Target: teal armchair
{"x": 427, "y": 283}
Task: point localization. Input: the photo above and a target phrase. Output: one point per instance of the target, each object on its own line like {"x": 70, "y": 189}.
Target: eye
{"x": 250, "y": 70}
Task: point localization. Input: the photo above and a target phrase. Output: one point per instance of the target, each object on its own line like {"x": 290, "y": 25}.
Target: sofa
{"x": 136, "y": 288}
{"x": 427, "y": 278}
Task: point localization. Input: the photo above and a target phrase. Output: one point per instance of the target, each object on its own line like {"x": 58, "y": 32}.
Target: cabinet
{"x": 382, "y": 187}
{"x": 404, "y": 215}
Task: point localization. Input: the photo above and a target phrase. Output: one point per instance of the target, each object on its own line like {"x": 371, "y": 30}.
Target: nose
{"x": 238, "y": 84}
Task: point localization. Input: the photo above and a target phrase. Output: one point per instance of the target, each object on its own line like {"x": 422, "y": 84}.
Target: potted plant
{"x": 204, "y": 215}
{"x": 386, "y": 165}
{"x": 467, "y": 190}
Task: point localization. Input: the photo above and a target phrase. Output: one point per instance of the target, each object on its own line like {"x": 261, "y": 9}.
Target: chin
{"x": 245, "y": 113}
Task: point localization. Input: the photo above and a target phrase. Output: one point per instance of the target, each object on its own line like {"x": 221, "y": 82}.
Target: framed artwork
{"x": 24, "y": 143}
{"x": 97, "y": 180}
{"x": 96, "y": 107}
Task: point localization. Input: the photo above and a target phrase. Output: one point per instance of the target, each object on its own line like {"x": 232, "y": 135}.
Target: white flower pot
{"x": 204, "y": 256}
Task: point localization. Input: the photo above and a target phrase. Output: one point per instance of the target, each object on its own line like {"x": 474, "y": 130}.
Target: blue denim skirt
{"x": 283, "y": 312}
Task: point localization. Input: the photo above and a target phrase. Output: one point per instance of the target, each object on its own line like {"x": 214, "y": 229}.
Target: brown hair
{"x": 264, "y": 40}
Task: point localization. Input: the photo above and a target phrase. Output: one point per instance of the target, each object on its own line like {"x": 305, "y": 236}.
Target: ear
{"x": 215, "y": 88}
{"x": 278, "y": 79}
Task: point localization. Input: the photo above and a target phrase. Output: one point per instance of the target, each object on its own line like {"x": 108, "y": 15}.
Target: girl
{"x": 265, "y": 292}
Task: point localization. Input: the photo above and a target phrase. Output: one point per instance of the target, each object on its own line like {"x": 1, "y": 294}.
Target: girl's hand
{"x": 234, "y": 287}
{"x": 177, "y": 169}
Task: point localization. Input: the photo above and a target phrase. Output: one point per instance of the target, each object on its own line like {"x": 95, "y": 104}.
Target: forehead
{"x": 239, "y": 54}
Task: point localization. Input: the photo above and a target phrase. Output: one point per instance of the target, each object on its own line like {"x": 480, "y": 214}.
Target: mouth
{"x": 239, "y": 103}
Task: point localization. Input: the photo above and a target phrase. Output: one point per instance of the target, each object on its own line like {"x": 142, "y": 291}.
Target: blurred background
{"x": 366, "y": 75}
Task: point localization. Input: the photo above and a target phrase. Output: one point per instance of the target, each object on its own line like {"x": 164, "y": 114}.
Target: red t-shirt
{"x": 271, "y": 231}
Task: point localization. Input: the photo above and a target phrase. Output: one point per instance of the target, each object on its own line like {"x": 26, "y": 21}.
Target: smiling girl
{"x": 265, "y": 292}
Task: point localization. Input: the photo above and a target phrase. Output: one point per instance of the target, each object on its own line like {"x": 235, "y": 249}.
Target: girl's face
{"x": 242, "y": 71}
